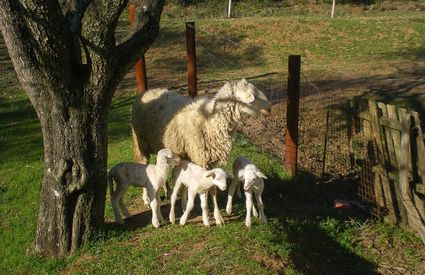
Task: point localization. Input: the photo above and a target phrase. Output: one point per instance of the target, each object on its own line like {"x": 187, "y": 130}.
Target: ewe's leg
{"x": 231, "y": 192}
{"x": 115, "y": 200}
{"x": 140, "y": 152}
{"x": 172, "y": 215}
{"x": 248, "y": 196}
{"x": 218, "y": 218}
{"x": 154, "y": 206}
{"x": 204, "y": 206}
{"x": 258, "y": 196}
{"x": 189, "y": 207}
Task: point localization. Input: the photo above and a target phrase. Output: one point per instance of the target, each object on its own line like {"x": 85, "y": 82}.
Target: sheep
{"x": 151, "y": 177}
{"x": 201, "y": 130}
{"x": 196, "y": 180}
{"x": 253, "y": 179}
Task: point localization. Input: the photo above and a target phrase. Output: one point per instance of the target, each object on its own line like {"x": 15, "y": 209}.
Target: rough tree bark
{"x": 68, "y": 62}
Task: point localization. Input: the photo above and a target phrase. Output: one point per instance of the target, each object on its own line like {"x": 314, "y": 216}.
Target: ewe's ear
{"x": 261, "y": 175}
{"x": 243, "y": 82}
{"x": 243, "y": 95}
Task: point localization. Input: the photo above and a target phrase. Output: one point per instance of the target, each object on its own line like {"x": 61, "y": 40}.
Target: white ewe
{"x": 200, "y": 130}
{"x": 197, "y": 180}
{"x": 151, "y": 177}
{"x": 246, "y": 172}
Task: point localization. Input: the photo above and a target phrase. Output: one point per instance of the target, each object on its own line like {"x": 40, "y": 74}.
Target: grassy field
{"x": 305, "y": 234}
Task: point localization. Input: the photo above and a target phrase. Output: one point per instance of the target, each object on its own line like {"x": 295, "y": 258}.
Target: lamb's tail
{"x": 111, "y": 181}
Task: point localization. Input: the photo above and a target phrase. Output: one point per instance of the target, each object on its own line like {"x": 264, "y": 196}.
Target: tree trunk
{"x": 74, "y": 189}
{"x": 67, "y": 60}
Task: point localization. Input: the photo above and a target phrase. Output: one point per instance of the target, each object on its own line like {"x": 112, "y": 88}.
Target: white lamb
{"x": 201, "y": 130}
{"x": 196, "y": 180}
{"x": 151, "y": 177}
{"x": 246, "y": 172}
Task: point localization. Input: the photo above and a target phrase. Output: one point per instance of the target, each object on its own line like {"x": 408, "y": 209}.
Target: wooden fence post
{"x": 140, "y": 67}
{"x": 292, "y": 113}
{"x": 191, "y": 58}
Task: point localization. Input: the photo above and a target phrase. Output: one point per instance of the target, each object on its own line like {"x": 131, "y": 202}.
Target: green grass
{"x": 304, "y": 235}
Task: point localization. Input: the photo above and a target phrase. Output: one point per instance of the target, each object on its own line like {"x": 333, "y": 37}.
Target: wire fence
{"x": 332, "y": 148}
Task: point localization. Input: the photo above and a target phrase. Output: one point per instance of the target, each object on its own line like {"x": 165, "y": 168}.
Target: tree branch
{"x": 36, "y": 35}
{"x": 147, "y": 26}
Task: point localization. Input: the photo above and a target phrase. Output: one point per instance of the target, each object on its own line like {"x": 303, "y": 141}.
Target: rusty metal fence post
{"x": 140, "y": 67}
{"x": 191, "y": 59}
{"x": 292, "y": 113}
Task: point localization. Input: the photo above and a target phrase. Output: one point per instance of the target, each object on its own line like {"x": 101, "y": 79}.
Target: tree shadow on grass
{"x": 304, "y": 211}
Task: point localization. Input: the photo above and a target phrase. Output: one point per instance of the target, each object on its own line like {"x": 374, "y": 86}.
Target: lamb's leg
{"x": 124, "y": 209}
{"x": 248, "y": 196}
{"x": 258, "y": 196}
{"x": 183, "y": 197}
{"x": 172, "y": 215}
{"x": 154, "y": 206}
{"x": 254, "y": 211}
{"x": 231, "y": 192}
{"x": 115, "y": 199}
{"x": 158, "y": 199}
{"x": 204, "y": 206}
{"x": 145, "y": 197}
{"x": 217, "y": 215}
{"x": 189, "y": 207}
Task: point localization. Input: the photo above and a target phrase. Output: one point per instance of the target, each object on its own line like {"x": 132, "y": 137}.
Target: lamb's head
{"x": 251, "y": 176}
{"x": 253, "y": 101}
{"x": 218, "y": 177}
{"x": 167, "y": 157}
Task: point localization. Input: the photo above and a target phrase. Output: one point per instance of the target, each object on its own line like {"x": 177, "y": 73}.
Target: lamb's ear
{"x": 243, "y": 95}
{"x": 261, "y": 175}
{"x": 209, "y": 173}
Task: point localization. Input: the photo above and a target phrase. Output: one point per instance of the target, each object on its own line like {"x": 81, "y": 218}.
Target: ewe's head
{"x": 252, "y": 100}
{"x": 218, "y": 177}
{"x": 167, "y": 156}
{"x": 251, "y": 176}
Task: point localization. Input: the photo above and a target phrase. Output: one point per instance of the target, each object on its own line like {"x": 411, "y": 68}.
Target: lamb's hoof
{"x": 248, "y": 223}
{"x": 155, "y": 224}
{"x": 229, "y": 210}
{"x": 182, "y": 222}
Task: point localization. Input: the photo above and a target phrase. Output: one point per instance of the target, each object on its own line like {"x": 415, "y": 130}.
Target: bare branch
{"x": 147, "y": 26}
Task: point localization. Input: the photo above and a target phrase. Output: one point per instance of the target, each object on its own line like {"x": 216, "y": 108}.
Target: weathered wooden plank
{"x": 385, "y": 189}
{"x": 389, "y": 144}
{"x": 377, "y": 132}
{"x": 390, "y": 123}
{"x": 379, "y": 195}
{"x": 414, "y": 219}
{"x": 419, "y": 156}
{"x": 419, "y": 146}
{"x": 401, "y": 113}
{"x": 392, "y": 114}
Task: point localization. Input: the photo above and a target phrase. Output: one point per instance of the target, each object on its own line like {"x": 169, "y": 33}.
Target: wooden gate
{"x": 395, "y": 154}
